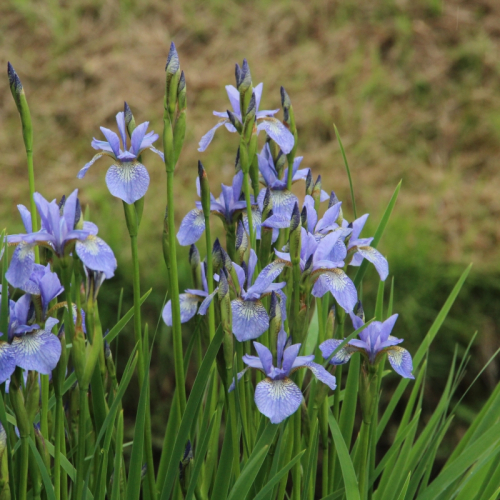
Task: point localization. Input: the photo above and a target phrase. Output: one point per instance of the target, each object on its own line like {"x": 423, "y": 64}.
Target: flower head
{"x": 373, "y": 342}
{"x": 127, "y": 178}
{"x": 277, "y": 396}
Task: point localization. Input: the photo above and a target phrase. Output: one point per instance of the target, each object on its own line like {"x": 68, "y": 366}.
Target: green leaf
{"x": 405, "y": 487}
{"x": 125, "y": 319}
{"x": 255, "y": 461}
{"x": 223, "y": 476}
{"x": 49, "y": 489}
{"x": 347, "y": 170}
{"x": 419, "y": 356}
{"x": 190, "y": 413}
{"x": 350, "y": 481}
{"x": 119, "y": 466}
{"x": 378, "y": 234}
{"x": 312, "y": 458}
{"x": 268, "y": 488}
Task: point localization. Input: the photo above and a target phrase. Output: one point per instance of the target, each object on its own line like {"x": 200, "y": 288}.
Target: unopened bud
{"x": 309, "y": 183}
{"x": 316, "y": 193}
{"x": 129, "y": 119}
{"x": 360, "y": 313}
{"x": 181, "y": 92}
{"x": 245, "y": 77}
{"x": 205, "y": 189}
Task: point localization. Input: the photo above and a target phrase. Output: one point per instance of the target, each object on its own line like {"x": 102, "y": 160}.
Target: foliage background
{"x": 413, "y": 87}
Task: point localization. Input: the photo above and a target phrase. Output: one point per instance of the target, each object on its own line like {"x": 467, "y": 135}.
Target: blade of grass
{"x": 405, "y": 488}
{"x": 47, "y": 483}
{"x": 347, "y": 170}
{"x": 223, "y": 476}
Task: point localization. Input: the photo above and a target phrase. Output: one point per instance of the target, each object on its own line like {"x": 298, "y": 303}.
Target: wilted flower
{"x": 58, "y": 233}
{"x": 126, "y": 179}
{"x": 265, "y": 120}
{"x": 277, "y": 396}
{"x": 373, "y": 342}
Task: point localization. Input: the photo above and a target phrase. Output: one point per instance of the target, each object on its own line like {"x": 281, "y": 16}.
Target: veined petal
{"x": 342, "y": 356}
{"x": 322, "y": 375}
{"x": 401, "y": 361}
{"x": 39, "y": 351}
{"x": 266, "y": 277}
{"x": 97, "y": 255}
{"x": 192, "y": 227}
{"x": 301, "y": 361}
{"x": 266, "y": 112}
{"x": 340, "y": 285}
{"x": 90, "y": 227}
{"x": 188, "y": 304}
{"x": 250, "y": 319}
{"x": 7, "y": 361}
{"x": 283, "y": 201}
{"x": 83, "y": 171}
{"x": 265, "y": 357}
{"x": 277, "y": 132}
{"x": 277, "y": 399}
{"x": 128, "y": 181}
{"x": 207, "y": 138}
{"x": 377, "y": 259}
{"x": 102, "y": 146}
{"x": 112, "y": 139}
{"x": 21, "y": 265}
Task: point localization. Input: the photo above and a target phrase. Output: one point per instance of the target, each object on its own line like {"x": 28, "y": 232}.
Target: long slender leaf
{"x": 350, "y": 481}
{"x": 402, "y": 495}
{"x": 119, "y": 466}
{"x": 223, "y": 476}
{"x": 347, "y": 170}
{"x": 191, "y": 412}
{"x": 47, "y": 483}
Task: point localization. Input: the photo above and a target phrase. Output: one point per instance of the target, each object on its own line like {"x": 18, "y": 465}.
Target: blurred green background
{"x": 413, "y": 87}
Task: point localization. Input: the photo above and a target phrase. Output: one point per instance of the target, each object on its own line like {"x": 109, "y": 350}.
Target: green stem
{"x": 23, "y": 471}
{"x": 82, "y": 431}
{"x": 296, "y": 449}
{"x": 295, "y": 306}
{"x": 57, "y": 451}
{"x": 174, "y": 282}
{"x": 44, "y": 425}
{"x": 364, "y": 458}
{"x": 246, "y": 188}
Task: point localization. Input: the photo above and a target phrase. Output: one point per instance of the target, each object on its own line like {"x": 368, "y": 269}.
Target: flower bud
{"x": 359, "y": 311}
{"x": 181, "y": 92}
{"x": 289, "y": 118}
{"x": 220, "y": 257}
{"x": 316, "y": 192}
{"x": 172, "y": 69}
{"x": 195, "y": 263}
{"x": 245, "y": 88}
{"x": 295, "y": 235}
{"x": 205, "y": 190}
{"x": 330, "y": 322}
{"x": 242, "y": 242}
{"x": 249, "y": 123}
{"x": 333, "y": 201}
{"x": 93, "y": 282}
{"x": 303, "y": 217}
{"x": 234, "y": 121}
{"x": 309, "y": 183}
{"x": 129, "y": 119}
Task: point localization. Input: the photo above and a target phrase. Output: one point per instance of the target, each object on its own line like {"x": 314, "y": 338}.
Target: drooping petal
{"x": 401, "y": 361}
{"x": 340, "y": 285}
{"x": 188, "y": 304}
{"x": 206, "y": 303}
{"x": 97, "y": 255}
{"x": 50, "y": 288}
{"x": 239, "y": 377}
{"x": 377, "y": 259}
{"x": 266, "y": 277}
{"x": 83, "y": 171}
{"x": 128, "y": 181}
{"x": 158, "y": 152}
{"x": 322, "y": 375}
{"x": 112, "y": 139}
{"x": 192, "y": 227}
{"x": 250, "y": 319}
{"x": 7, "y": 361}
{"x": 137, "y": 137}
{"x": 283, "y": 201}
{"x": 21, "y": 265}
{"x": 301, "y": 361}
{"x": 207, "y": 138}
{"x": 265, "y": 357}
{"x": 277, "y": 132}
{"x": 277, "y": 399}
{"x": 39, "y": 351}
{"x": 342, "y": 356}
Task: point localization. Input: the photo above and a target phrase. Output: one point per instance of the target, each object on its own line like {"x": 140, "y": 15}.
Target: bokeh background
{"x": 413, "y": 87}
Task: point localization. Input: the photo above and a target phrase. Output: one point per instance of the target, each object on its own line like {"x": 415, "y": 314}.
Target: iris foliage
{"x": 283, "y": 293}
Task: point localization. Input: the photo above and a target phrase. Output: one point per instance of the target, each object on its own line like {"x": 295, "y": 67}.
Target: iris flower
{"x": 126, "y": 179}
{"x": 277, "y": 396}
{"x": 264, "y": 120}
{"x": 227, "y": 206}
{"x": 373, "y": 342}
{"x": 58, "y": 233}
{"x": 250, "y": 318}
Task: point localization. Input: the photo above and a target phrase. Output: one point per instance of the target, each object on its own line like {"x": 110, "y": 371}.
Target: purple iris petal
{"x": 387, "y": 326}
{"x": 7, "y": 361}
{"x": 120, "y": 121}
{"x": 357, "y": 226}
{"x": 239, "y": 377}
{"x": 377, "y": 259}
{"x": 322, "y": 375}
{"x": 26, "y": 217}
{"x": 192, "y": 227}
{"x": 277, "y": 132}
{"x": 289, "y": 357}
{"x": 207, "y": 138}
{"x": 147, "y": 141}
{"x": 283, "y": 201}
{"x": 340, "y": 285}
{"x": 277, "y": 399}
{"x": 357, "y": 322}
{"x": 266, "y": 277}
{"x": 83, "y": 170}
{"x": 137, "y": 137}
{"x": 265, "y": 357}
{"x": 342, "y": 356}
{"x": 21, "y": 265}
{"x": 206, "y": 303}
{"x": 128, "y": 181}
{"x": 234, "y": 99}
{"x": 112, "y": 139}
{"x": 401, "y": 362}
{"x": 253, "y": 362}
{"x": 282, "y": 338}
{"x": 250, "y": 319}
{"x": 188, "y": 304}
{"x": 328, "y": 221}
{"x": 97, "y": 255}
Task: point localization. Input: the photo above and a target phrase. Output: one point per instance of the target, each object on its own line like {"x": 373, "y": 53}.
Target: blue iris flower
{"x": 374, "y": 341}
{"x": 59, "y": 234}
{"x": 277, "y": 396}
{"x": 127, "y": 178}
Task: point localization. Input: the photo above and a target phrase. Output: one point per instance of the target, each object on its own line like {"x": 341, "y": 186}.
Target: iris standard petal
{"x": 401, "y": 361}
{"x": 377, "y": 259}
{"x": 192, "y": 227}
{"x": 120, "y": 121}
{"x": 253, "y": 361}
{"x": 83, "y": 171}
{"x": 207, "y": 138}
{"x": 277, "y": 132}
{"x": 7, "y": 361}
{"x": 340, "y": 285}
{"x": 289, "y": 357}
{"x": 330, "y": 217}
{"x": 128, "y": 181}
{"x": 137, "y": 137}
{"x": 26, "y": 217}
{"x": 234, "y": 99}
{"x": 21, "y": 265}
{"x": 342, "y": 356}
{"x": 147, "y": 142}
{"x": 250, "y": 319}
{"x": 39, "y": 351}
{"x": 101, "y": 146}
{"x": 112, "y": 139}
{"x": 357, "y": 226}
{"x": 386, "y": 327}
{"x": 277, "y": 399}
{"x": 97, "y": 255}
{"x": 322, "y": 375}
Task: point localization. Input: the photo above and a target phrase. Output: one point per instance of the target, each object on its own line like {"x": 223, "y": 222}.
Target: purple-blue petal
{"x": 377, "y": 259}
{"x": 192, "y": 227}
{"x": 39, "y": 351}
{"x": 289, "y": 357}
{"x": 277, "y": 132}
{"x": 401, "y": 362}
{"x": 21, "y": 265}
{"x": 206, "y": 303}
{"x": 265, "y": 357}
{"x": 26, "y": 217}
{"x": 137, "y": 137}
{"x": 234, "y": 99}
{"x": 340, "y": 285}
{"x": 97, "y": 255}
{"x": 239, "y": 377}
{"x": 112, "y": 139}
{"x": 342, "y": 356}
{"x": 7, "y": 361}
{"x": 188, "y": 304}
{"x": 83, "y": 171}
{"x": 277, "y": 399}
{"x": 120, "y": 121}
{"x": 207, "y": 138}
{"x": 322, "y": 375}
{"x": 266, "y": 277}
{"x": 128, "y": 181}
{"x": 250, "y": 319}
